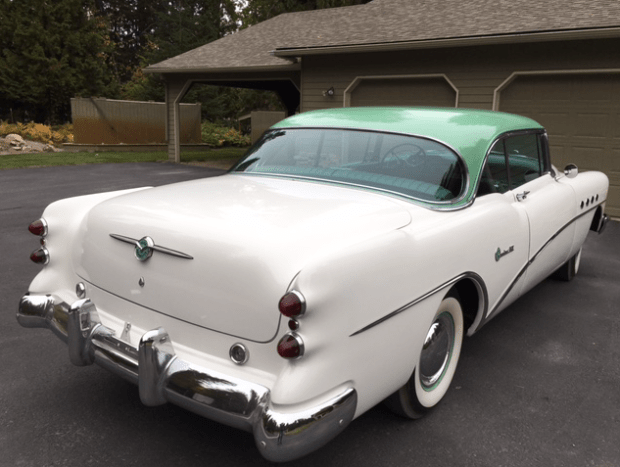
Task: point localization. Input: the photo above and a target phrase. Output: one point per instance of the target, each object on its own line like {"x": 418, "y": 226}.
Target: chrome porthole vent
{"x": 239, "y": 353}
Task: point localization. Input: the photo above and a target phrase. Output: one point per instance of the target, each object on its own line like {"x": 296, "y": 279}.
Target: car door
{"x": 549, "y": 205}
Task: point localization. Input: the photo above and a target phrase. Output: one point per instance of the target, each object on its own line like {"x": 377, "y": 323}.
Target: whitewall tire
{"x": 436, "y": 364}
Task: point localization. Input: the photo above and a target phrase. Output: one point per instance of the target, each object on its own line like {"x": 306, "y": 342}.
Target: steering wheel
{"x": 406, "y": 153}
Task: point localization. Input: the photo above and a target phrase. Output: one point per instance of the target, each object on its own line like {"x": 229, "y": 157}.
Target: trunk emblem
{"x": 145, "y": 247}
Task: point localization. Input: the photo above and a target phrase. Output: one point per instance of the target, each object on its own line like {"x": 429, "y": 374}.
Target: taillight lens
{"x": 38, "y": 227}
{"x": 40, "y": 256}
{"x": 291, "y": 346}
{"x": 292, "y": 305}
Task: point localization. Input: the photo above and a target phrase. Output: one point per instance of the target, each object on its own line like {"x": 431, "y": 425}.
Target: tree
{"x": 51, "y": 51}
{"x": 257, "y": 11}
{"x": 183, "y": 25}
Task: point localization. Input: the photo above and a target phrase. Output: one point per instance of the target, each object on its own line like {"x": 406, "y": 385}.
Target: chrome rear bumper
{"x": 281, "y": 435}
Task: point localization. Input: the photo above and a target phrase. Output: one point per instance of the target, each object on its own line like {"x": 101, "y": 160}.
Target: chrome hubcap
{"x": 437, "y": 351}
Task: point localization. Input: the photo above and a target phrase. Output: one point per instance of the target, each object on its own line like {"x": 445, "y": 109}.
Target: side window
{"x": 494, "y": 177}
{"x": 524, "y": 158}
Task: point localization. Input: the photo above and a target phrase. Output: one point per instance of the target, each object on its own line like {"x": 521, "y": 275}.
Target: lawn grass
{"x": 47, "y": 159}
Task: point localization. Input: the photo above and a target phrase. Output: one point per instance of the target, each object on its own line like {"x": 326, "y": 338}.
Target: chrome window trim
{"x": 433, "y": 204}
{"x": 508, "y": 134}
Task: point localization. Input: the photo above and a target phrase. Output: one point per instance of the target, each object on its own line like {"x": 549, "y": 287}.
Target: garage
{"x": 435, "y": 91}
{"x": 581, "y": 112}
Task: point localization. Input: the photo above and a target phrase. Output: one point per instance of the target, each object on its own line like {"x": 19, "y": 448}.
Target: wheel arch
{"x": 472, "y": 295}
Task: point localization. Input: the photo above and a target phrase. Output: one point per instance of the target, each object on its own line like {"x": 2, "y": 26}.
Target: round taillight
{"x": 38, "y": 227}
{"x": 292, "y": 304}
{"x": 40, "y": 256}
{"x": 291, "y": 346}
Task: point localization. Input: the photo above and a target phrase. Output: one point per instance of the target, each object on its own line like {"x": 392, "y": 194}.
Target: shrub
{"x": 219, "y": 136}
{"x": 38, "y": 132}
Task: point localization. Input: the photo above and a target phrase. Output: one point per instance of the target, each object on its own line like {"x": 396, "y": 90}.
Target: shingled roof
{"x": 394, "y": 24}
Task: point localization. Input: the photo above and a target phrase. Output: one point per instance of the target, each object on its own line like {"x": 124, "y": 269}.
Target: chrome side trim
{"x": 159, "y": 248}
{"x": 478, "y": 280}
{"x": 468, "y": 275}
{"x": 495, "y": 309}
{"x": 282, "y": 432}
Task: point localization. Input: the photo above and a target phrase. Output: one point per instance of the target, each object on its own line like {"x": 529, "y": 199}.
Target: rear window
{"x": 407, "y": 165}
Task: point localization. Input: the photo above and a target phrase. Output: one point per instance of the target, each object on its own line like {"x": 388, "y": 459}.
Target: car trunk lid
{"x": 247, "y": 237}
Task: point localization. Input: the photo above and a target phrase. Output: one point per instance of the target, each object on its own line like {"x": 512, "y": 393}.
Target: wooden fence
{"x": 105, "y": 121}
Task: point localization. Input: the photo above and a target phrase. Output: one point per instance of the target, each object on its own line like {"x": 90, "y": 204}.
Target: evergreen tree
{"x": 257, "y": 11}
{"x": 183, "y": 25}
{"x": 51, "y": 51}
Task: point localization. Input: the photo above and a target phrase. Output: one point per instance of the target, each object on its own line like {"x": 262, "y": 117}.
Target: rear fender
{"x": 64, "y": 220}
{"x": 344, "y": 294}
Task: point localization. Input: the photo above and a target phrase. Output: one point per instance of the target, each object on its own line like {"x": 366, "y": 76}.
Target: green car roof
{"x": 470, "y": 132}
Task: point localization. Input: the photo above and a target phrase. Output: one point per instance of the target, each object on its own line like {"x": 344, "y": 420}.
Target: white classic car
{"x": 338, "y": 265}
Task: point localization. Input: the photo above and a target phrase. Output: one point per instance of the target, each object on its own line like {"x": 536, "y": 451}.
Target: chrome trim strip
{"x": 468, "y": 275}
{"x": 478, "y": 279}
{"x": 536, "y": 131}
{"x": 161, "y": 249}
{"x": 281, "y": 432}
{"x": 495, "y": 309}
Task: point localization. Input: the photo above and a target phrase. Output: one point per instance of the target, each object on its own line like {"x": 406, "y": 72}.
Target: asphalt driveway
{"x": 538, "y": 386}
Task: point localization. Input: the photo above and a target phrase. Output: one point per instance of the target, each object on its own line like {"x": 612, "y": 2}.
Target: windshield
{"x": 411, "y": 166}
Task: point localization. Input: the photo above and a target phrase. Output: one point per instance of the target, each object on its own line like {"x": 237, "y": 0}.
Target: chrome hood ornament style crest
{"x": 145, "y": 247}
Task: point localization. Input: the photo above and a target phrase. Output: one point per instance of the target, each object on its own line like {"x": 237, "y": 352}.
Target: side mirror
{"x": 571, "y": 171}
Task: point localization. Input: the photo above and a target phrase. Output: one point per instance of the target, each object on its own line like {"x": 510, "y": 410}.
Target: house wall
{"x": 571, "y": 87}
{"x": 475, "y": 71}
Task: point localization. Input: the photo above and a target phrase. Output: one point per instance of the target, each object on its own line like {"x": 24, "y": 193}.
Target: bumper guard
{"x": 281, "y": 433}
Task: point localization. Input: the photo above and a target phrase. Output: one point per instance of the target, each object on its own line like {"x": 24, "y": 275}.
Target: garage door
{"x": 581, "y": 114}
{"x": 403, "y": 91}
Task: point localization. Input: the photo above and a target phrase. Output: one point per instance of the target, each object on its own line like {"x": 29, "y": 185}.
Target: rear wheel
{"x": 568, "y": 270}
{"x": 436, "y": 365}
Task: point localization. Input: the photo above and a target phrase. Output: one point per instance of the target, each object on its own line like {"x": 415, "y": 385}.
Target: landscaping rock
{"x": 14, "y": 140}
{"x": 15, "y": 144}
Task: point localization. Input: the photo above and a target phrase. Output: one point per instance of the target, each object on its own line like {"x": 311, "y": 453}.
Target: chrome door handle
{"x": 522, "y": 196}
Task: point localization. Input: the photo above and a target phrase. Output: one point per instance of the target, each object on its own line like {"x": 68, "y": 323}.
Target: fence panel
{"x": 105, "y": 121}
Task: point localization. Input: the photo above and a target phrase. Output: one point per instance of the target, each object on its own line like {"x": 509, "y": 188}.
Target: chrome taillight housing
{"x": 292, "y": 305}
{"x": 40, "y": 255}
{"x": 291, "y": 346}
{"x": 38, "y": 227}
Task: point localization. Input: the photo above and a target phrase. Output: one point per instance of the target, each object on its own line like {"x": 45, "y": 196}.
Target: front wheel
{"x": 436, "y": 364}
